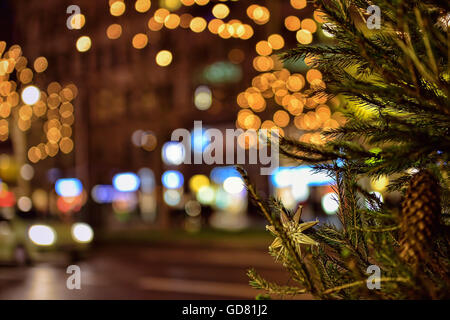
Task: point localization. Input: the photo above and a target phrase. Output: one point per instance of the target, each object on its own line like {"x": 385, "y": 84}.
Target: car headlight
{"x": 82, "y": 232}
{"x": 42, "y": 235}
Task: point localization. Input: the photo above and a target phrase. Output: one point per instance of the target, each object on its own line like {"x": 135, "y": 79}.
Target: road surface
{"x": 146, "y": 272}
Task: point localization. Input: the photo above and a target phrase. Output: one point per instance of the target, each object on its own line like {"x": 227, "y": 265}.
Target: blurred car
{"x": 34, "y": 238}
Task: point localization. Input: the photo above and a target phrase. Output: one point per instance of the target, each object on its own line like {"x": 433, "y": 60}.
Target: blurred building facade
{"x": 128, "y": 103}
{"x": 122, "y": 89}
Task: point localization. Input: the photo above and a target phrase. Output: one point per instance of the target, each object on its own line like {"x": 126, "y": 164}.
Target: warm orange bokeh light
{"x": 172, "y": 21}
{"x": 117, "y": 8}
{"x": 298, "y": 4}
{"x": 263, "y": 48}
{"x": 140, "y": 41}
{"x": 304, "y": 36}
{"x": 276, "y": 41}
{"x": 142, "y": 5}
{"x": 114, "y": 31}
{"x": 292, "y": 23}
{"x": 198, "y": 24}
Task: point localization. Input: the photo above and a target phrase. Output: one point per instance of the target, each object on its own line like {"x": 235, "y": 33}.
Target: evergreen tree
{"x": 395, "y": 80}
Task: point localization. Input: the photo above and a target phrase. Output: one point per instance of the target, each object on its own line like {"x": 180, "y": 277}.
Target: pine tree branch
{"x": 258, "y": 282}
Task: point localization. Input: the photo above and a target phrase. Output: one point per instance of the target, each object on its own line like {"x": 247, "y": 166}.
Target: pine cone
{"x": 419, "y": 218}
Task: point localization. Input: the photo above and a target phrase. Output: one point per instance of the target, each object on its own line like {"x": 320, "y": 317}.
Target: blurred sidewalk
{"x": 192, "y": 268}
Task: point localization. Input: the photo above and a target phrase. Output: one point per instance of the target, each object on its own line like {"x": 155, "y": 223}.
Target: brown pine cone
{"x": 420, "y": 216}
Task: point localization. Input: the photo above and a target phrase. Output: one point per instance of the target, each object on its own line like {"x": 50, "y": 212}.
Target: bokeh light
{"x": 70, "y": 187}
{"x": 173, "y": 153}
{"x": 31, "y": 95}
{"x": 197, "y": 24}
{"x": 40, "y": 64}
{"x": 82, "y": 232}
{"x": 329, "y": 203}
{"x": 140, "y": 41}
{"x": 42, "y": 235}
{"x": 292, "y": 23}
{"x": 78, "y": 21}
{"x": 304, "y": 36}
{"x": 164, "y": 58}
{"x": 233, "y": 185}
{"x": 298, "y": 4}
{"x": 220, "y": 11}
{"x": 103, "y": 193}
{"x": 193, "y": 208}
{"x": 114, "y": 31}
{"x": 27, "y": 172}
{"x": 83, "y": 43}
{"x": 172, "y": 179}
{"x": 126, "y": 182}
{"x": 24, "y": 204}
{"x": 171, "y": 5}
{"x": 172, "y": 197}
{"x": 117, "y": 8}
{"x": 206, "y": 195}
{"x": 203, "y": 98}
{"x": 197, "y": 181}
{"x": 142, "y": 5}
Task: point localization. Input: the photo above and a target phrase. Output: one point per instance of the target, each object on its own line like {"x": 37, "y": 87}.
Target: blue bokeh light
{"x": 172, "y": 179}
{"x": 199, "y": 140}
{"x": 147, "y": 180}
{"x": 69, "y": 187}
{"x": 220, "y": 174}
{"x": 103, "y": 193}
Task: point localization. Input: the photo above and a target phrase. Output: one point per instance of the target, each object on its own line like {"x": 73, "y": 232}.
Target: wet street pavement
{"x": 147, "y": 272}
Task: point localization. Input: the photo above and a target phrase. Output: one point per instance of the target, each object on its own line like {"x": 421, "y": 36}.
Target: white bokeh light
{"x": 126, "y": 182}
{"x": 24, "y": 204}
{"x": 173, "y": 153}
{"x": 233, "y": 185}
{"x": 300, "y": 191}
{"x": 172, "y": 197}
{"x": 42, "y": 235}
{"x": 329, "y": 203}
{"x": 31, "y": 95}
{"x": 27, "y": 172}
{"x": 206, "y": 195}
{"x": 82, "y": 232}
